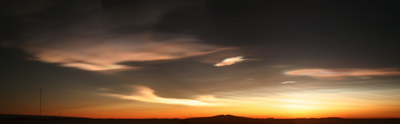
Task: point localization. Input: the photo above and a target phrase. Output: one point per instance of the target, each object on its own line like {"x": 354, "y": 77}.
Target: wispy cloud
{"x": 146, "y": 94}
{"x": 230, "y": 61}
{"x": 100, "y": 54}
{"x": 103, "y": 38}
{"x": 341, "y": 73}
{"x": 94, "y": 67}
{"x": 288, "y": 82}
{"x": 298, "y": 101}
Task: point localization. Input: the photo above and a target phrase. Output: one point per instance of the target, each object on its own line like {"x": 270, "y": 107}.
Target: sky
{"x": 180, "y": 58}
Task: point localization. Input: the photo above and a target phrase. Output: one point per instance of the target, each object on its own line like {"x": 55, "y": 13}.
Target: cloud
{"x": 99, "y": 54}
{"x": 288, "y": 82}
{"x": 341, "y": 73}
{"x": 230, "y": 61}
{"x": 93, "y": 67}
{"x": 100, "y": 38}
{"x": 146, "y": 94}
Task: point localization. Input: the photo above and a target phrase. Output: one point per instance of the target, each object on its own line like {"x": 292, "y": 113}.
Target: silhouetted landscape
{"x": 219, "y": 119}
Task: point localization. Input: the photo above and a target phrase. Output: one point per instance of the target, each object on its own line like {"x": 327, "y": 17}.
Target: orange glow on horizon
{"x": 289, "y": 105}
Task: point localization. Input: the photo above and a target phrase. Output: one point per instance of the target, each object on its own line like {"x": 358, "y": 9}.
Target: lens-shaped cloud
{"x": 93, "y": 67}
{"x": 107, "y": 36}
{"x": 288, "y": 82}
{"x": 230, "y": 61}
{"x": 146, "y": 94}
{"x": 341, "y": 73}
{"x": 98, "y": 54}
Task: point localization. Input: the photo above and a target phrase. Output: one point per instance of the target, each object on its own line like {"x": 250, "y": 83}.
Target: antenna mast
{"x": 40, "y": 103}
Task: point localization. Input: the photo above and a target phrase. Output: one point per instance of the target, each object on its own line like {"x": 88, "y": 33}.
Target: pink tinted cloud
{"x": 103, "y": 39}
{"x": 146, "y": 94}
{"x": 101, "y": 53}
{"x": 230, "y": 61}
{"x": 341, "y": 73}
{"x": 288, "y": 82}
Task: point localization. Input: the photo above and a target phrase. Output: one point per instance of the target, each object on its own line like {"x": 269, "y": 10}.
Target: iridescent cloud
{"x": 100, "y": 54}
{"x": 341, "y": 73}
{"x": 230, "y": 61}
{"x": 288, "y": 82}
{"x": 101, "y": 41}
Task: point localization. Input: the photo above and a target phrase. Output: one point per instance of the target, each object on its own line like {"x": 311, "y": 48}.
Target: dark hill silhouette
{"x": 222, "y": 119}
{"x": 29, "y": 117}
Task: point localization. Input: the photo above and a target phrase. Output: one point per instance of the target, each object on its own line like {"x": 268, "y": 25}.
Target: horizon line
{"x": 55, "y": 116}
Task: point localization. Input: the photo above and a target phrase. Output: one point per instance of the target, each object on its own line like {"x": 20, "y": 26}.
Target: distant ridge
{"x": 222, "y": 119}
{"x": 219, "y": 119}
{"x": 28, "y": 117}
{"x": 223, "y": 116}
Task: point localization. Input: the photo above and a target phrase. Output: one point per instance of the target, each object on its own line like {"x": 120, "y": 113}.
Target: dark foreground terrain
{"x": 220, "y": 119}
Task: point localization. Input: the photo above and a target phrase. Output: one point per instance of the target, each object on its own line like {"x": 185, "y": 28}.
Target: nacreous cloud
{"x": 102, "y": 53}
{"x": 230, "y": 61}
{"x": 341, "y": 73}
{"x": 288, "y": 82}
{"x": 146, "y": 94}
{"x": 105, "y": 37}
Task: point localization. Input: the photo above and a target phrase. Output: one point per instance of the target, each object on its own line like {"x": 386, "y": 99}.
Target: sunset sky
{"x": 195, "y": 58}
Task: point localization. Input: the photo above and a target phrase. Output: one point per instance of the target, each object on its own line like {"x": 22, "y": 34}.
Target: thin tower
{"x": 40, "y": 103}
